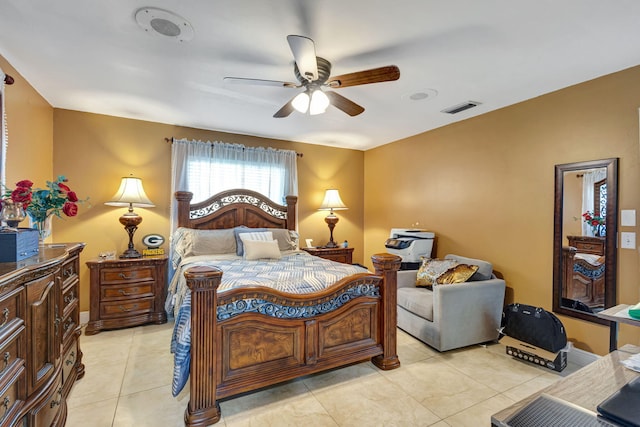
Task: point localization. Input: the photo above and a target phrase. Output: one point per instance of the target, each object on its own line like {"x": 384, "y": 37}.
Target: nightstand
{"x": 127, "y": 292}
{"x": 343, "y": 255}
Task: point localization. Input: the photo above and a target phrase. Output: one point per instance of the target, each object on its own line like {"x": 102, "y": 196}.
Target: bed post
{"x": 203, "y": 409}
{"x": 291, "y": 212}
{"x": 387, "y": 266}
{"x": 184, "y": 201}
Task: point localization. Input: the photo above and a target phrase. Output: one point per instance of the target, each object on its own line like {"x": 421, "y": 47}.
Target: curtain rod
{"x": 171, "y": 140}
{"x": 8, "y": 79}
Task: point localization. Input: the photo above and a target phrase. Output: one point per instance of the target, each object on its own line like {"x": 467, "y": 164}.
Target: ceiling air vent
{"x": 461, "y": 107}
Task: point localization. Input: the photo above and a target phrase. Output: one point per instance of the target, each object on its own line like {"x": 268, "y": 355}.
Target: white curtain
{"x": 206, "y": 168}
{"x": 589, "y": 178}
{"x": 4, "y": 135}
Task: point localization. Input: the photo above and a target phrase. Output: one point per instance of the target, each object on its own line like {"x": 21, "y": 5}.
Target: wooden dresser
{"x": 39, "y": 336}
{"x": 127, "y": 292}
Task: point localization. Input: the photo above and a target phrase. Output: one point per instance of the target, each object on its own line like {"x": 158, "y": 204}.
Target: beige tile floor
{"x": 128, "y": 383}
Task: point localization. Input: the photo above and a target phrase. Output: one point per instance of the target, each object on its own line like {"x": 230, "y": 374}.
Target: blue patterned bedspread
{"x": 296, "y": 272}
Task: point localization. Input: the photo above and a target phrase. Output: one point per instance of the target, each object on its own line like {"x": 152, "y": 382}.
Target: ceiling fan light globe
{"x": 301, "y": 102}
{"x": 319, "y": 102}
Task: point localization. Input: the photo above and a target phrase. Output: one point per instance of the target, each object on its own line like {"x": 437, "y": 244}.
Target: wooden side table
{"x": 127, "y": 292}
{"x": 343, "y": 255}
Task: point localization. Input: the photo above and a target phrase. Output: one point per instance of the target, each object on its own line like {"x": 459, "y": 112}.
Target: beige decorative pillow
{"x": 206, "y": 242}
{"x": 259, "y": 249}
{"x": 431, "y": 269}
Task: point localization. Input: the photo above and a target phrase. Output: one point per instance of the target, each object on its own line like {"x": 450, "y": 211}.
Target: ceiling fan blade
{"x": 344, "y": 104}
{"x": 285, "y": 110}
{"x": 304, "y": 53}
{"x": 260, "y": 82}
{"x": 375, "y": 75}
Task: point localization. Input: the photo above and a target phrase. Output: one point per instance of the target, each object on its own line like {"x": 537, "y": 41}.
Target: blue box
{"x": 16, "y": 246}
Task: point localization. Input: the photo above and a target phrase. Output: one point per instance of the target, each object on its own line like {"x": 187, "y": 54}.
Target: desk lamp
{"x": 130, "y": 194}
{"x": 331, "y": 202}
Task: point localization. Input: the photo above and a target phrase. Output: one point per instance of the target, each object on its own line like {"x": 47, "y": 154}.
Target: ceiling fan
{"x": 313, "y": 74}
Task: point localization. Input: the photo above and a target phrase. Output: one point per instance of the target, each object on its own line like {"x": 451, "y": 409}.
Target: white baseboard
{"x": 581, "y": 357}
{"x": 84, "y": 317}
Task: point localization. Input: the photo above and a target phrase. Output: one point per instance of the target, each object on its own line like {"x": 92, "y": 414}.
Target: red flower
{"x": 21, "y": 195}
{"x": 70, "y": 209}
{"x": 25, "y": 183}
{"x": 63, "y": 187}
{"x": 72, "y": 196}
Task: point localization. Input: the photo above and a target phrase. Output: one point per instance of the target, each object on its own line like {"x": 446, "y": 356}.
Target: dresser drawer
{"x": 69, "y": 324}
{"x": 118, "y": 292}
{"x": 12, "y": 394}
{"x": 114, "y": 276}
{"x": 46, "y": 413}
{"x": 12, "y": 351}
{"x": 126, "y": 308}
{"x": 11, "y": 309}
{"x": 69, "y": 297}
{"x": 69, "y": 360}
{"x": 70, "y": 270}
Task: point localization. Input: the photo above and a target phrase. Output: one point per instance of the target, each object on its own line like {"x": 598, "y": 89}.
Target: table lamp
{"x": 130, "y": 194}
{"x": 331, "y": 202}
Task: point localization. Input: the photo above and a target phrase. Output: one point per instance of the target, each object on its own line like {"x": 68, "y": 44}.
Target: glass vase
{"x": 43, "y": 227}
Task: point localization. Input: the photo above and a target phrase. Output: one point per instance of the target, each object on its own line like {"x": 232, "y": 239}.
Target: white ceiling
{"x": 90, "y": 55}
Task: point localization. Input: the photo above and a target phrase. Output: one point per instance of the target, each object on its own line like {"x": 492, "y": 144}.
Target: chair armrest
{"x": 457, "y": 300}
{"x": 407, "y": 278}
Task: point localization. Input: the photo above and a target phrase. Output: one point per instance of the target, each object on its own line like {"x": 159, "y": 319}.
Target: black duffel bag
{"x": 535, "y": 326}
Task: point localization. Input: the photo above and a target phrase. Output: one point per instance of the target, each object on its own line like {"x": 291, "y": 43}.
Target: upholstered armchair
{"x": 453, "y": 315}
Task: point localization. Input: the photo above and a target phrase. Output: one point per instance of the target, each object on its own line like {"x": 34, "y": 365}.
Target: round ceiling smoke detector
{"x": 164, "y": 23}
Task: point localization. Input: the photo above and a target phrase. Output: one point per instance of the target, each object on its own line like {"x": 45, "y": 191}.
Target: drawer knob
{"x": 5, "y": 316}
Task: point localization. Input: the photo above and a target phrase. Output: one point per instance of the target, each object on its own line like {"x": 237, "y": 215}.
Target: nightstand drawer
{"x": 126, "y": 308}
{"x": 114, "y": 292}
{"x": 114, "y": 276}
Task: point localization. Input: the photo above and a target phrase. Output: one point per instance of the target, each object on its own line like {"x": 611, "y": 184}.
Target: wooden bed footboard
{"x": 248, "y": 338}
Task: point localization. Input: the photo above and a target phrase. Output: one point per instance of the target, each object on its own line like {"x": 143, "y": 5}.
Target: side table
{"x": 343, "y": 255}
{"x": 127, "y": 292}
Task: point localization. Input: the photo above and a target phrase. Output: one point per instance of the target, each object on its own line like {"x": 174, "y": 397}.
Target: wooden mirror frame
{"x": 611, "y": 255}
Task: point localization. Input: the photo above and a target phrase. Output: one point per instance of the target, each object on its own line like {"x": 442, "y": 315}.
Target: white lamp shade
{"x": 301, "y": 102}
{"x": 130, "y": 193}
{"x": 332, "y": 201}
{"x": 319, "y": 102}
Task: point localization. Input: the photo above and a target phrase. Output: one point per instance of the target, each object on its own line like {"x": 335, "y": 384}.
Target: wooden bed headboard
{"x": 233, "y": 208}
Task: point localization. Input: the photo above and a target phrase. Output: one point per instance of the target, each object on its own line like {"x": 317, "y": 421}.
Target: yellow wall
{"x": 485, "y": 186}
{"x": 30, "y": 124}
{"x": 94, "y": 151}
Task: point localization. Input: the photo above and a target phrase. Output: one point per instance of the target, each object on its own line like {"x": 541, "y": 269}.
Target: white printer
{"x": 410, "y": 244}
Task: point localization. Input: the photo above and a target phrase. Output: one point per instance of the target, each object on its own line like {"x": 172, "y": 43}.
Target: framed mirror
{"x": 584, "y": 238}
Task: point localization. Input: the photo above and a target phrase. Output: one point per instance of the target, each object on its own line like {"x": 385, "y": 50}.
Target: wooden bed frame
{"x": 250, "y": 351}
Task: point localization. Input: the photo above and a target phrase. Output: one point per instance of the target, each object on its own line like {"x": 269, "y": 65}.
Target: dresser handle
{"x": 122, "y": 308}
{"x": 5, "y": 404}
{"x": 57, "y": 402}
{"x": 71, "y": 360}
{"x": 5, "y": 317}
{"x": 125, "y": 293}
{"x": 125, "y": 277}
{"x": 5, "y": 359}
{"x": 56, "y": 323}
{"x": 69, "y": 298}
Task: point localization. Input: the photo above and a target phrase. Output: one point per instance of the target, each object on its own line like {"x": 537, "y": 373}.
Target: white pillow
{"x": 257, "y": 249}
